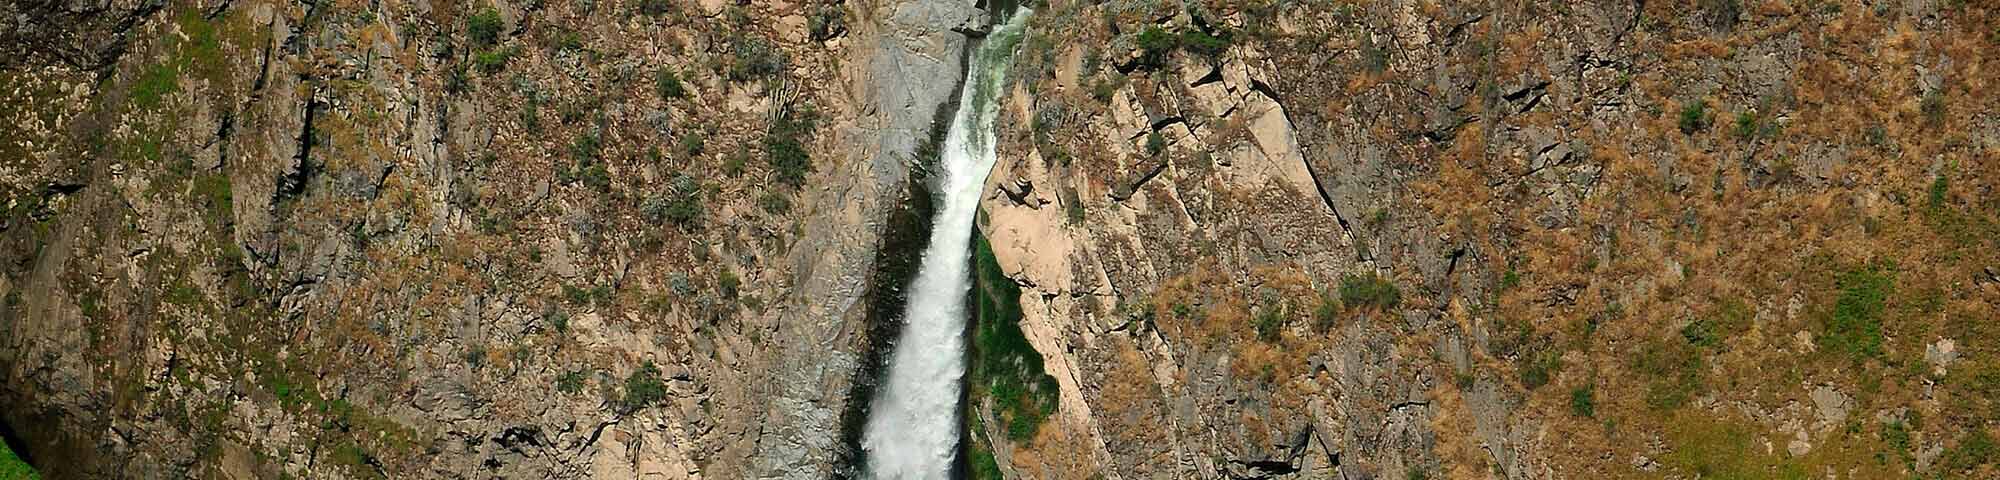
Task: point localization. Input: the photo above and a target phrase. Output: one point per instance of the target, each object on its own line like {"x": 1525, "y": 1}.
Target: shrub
{"x": 1103, "y": 90}
{"x": 754, "y": 58}
{"x": 668, "y": 83}
{"x": 679, "y": 204}
{"x": 1976, "y": 449}
{"x": 654, "y": 8}
{"x": 1374, "y": 57}
{"x": 557, "y": 320}
{"x": 1155, "y": 143}
{"x": 1156, "y": 44}
{"x": 1933, "y": 108}
{"x": 1327, "y": 313}
{"x": 570, "y": 381}
{"x": 1369, "y": 290}
{"x": 1205, "y": 44}
{"x": 693, "y": 143}
{"x": 828, "y": 22}
{"x": 644, "y": 387}
{"x": 585, "y": 147}
{"x": 1538, "y": 368}
{"x": 785, "y": 149}
{"x": 1746, "y": 125}
{"x": 484, "y": 27}
{"x": 1269, "y": 321}
{"x": 776, "y": 203}
{"x": 1583, "y": 402}
{"x": 493, "y": 61}
{"x": 1674, "y": 373}
{"x": 1694, "y": 117}
{"x": 728, "y": 284}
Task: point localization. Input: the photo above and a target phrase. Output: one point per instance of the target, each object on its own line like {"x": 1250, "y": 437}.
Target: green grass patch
{"x": 1854, "y": 326}
{"x": 1005, "y": 367}
{"x": 1705, "y": 447}
{"x": 1672, "y": 370}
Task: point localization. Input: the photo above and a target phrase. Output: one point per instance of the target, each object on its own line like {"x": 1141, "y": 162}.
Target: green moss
{"x": 13, "y": 468}
{"x": 1005, "y": 366}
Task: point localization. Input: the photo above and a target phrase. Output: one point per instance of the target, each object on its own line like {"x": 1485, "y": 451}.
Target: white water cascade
{"x": 912, "y": 430}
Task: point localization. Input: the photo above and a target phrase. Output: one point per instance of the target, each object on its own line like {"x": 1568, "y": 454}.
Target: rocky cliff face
{"x": 1713, "y": 239}
{"x": 517, "y": 239}
{"x": 1464, "y": 240}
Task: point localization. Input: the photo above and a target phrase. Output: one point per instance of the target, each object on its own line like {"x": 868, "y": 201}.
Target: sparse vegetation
{"x": 570, "y": 381}
{"x": 1155, "y": 143}
{"x": 668, "y": 84}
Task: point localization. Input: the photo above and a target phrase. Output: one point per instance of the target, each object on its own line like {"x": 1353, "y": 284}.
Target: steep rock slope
{"x": 1476, "y": 240}
{"x": 525, "y": 239}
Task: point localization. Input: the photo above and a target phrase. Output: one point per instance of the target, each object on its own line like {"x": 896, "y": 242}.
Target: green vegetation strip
{"x": 1004, "y": 367}
{"x": 12, "y": 467}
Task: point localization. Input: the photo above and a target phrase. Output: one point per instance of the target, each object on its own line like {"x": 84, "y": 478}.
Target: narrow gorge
{"x": 921, "y": 239}
{"x": 913, "y": 430}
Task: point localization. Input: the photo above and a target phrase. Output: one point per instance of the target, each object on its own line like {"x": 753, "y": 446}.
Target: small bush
{"x": 493, "y": 61}
{"x": 693, "y": 143}
{"x": 644, "y": 387}
{"x": 828, "y": 22}
{"x": 1694, "y": 117}
{"x": 1206, "y": 44}
{"x": 1746, "y": 125}
{"x": 680, "y": 203}
{"x": 668, "y": 84}
{"x": 1155, "y": 143}
{"x": 1369, "y": 290}
{"x": 785, "y": 148}
{"x": 570, "y": 381}
{"x": 654, "y": 8}
{"x": 1932, "y": 107}
{"x": 1155, "y": 44}
{"x": 728, "y": 284}
{"x": 1538, "y": 368}
{"x": 754, "y": 58}
{"x": 1583, "y": 402}
{"x": 1269, "y": 321}
{"x": 484, "y": 27}
{"x": 557, "y": 320}
{"x": 776, "y": 203}
{"x": 1673, "y": 370}
{"x": 1326, "y": 315}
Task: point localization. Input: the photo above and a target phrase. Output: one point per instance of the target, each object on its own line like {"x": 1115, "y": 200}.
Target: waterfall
{"x": 912, "y": 430}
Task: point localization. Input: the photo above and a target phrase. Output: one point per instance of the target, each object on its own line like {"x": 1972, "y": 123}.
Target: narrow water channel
{"x": 912, "y": 431}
